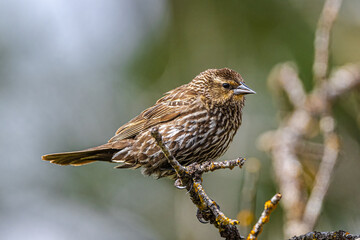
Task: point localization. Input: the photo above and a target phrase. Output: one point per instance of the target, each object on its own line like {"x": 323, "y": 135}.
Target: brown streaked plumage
{"x": 197, "y": 120}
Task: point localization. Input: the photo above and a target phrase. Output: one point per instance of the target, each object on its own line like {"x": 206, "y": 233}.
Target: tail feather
{"x": 79, "y": 158}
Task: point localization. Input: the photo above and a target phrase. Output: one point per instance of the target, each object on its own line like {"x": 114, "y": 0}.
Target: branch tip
{"x": 265, "y": 216}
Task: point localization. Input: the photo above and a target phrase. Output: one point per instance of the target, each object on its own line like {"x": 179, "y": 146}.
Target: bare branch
{"x": 288, "y": 169}
{"x": 311, "y": 116}
{"x": 286, "y": 77}
{"x": 322, "y": 180}
{"x": 212, "y": 166}
{"x": 285, "y": 141}
{"x": 342, "y": 81}
{"x": 322, "y": 39}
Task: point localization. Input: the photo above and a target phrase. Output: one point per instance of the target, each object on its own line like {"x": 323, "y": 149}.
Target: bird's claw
{"x": 200, "y": 217}
{"x": 191, "y": 186}
{"x": 178, "y": 184}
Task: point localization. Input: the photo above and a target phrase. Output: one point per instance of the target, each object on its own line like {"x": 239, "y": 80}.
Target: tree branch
{"x": 310, "y": 116}
{"x": 327, "y": 235}
{"x": 322, "y": 39}
{"x": 322, "y": 180}
{"x": 190, "y": 177}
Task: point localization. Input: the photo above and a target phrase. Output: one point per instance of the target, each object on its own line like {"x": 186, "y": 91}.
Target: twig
{"x": 179, "y": 169}
{"x": 212, "y": 166}
{"x": 322, "y": 39}
{"x": 342, "y": 80}
{"x": 265, "y": 216}
{"x": 322, "y": 180}
{"x": 282, "y": 144}
{"x": 288, "y": 169}
{"x": 288, "y": 79}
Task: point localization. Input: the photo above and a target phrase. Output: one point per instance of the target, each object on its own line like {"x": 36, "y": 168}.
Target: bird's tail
{"x": 79, "y": 158}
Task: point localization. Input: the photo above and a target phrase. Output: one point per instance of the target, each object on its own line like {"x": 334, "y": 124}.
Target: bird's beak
{"x": 243, "y": 89}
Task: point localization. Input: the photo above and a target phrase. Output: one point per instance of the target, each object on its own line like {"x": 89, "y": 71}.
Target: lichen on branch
{"x": 190, "y": 177}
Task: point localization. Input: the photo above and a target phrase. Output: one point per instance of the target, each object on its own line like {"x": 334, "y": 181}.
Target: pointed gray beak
{"x": 243, "y": 89}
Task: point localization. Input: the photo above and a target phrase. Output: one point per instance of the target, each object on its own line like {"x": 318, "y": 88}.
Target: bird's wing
{"x": 169, "y": 107}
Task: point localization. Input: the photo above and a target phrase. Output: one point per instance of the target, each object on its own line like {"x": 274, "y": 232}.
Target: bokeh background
{"x": 72, "y": 72}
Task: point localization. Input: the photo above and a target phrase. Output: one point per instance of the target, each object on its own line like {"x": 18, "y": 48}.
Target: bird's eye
{"x": 226, "y": 85}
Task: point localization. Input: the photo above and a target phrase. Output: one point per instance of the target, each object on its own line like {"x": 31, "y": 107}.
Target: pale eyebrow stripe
{"x": 233, "y": 83}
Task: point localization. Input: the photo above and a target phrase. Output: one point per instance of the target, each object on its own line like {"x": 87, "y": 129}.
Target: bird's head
{"x": 221, "y": 86}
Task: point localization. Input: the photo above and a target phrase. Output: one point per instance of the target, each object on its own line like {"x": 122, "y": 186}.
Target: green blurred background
{"x": 72, "y": 72}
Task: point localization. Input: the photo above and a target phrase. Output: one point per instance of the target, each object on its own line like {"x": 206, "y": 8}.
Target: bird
{"x": 197, "y": 122}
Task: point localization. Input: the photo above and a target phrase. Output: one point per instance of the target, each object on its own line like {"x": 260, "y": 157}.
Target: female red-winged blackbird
{"x": 197, "y": 121}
